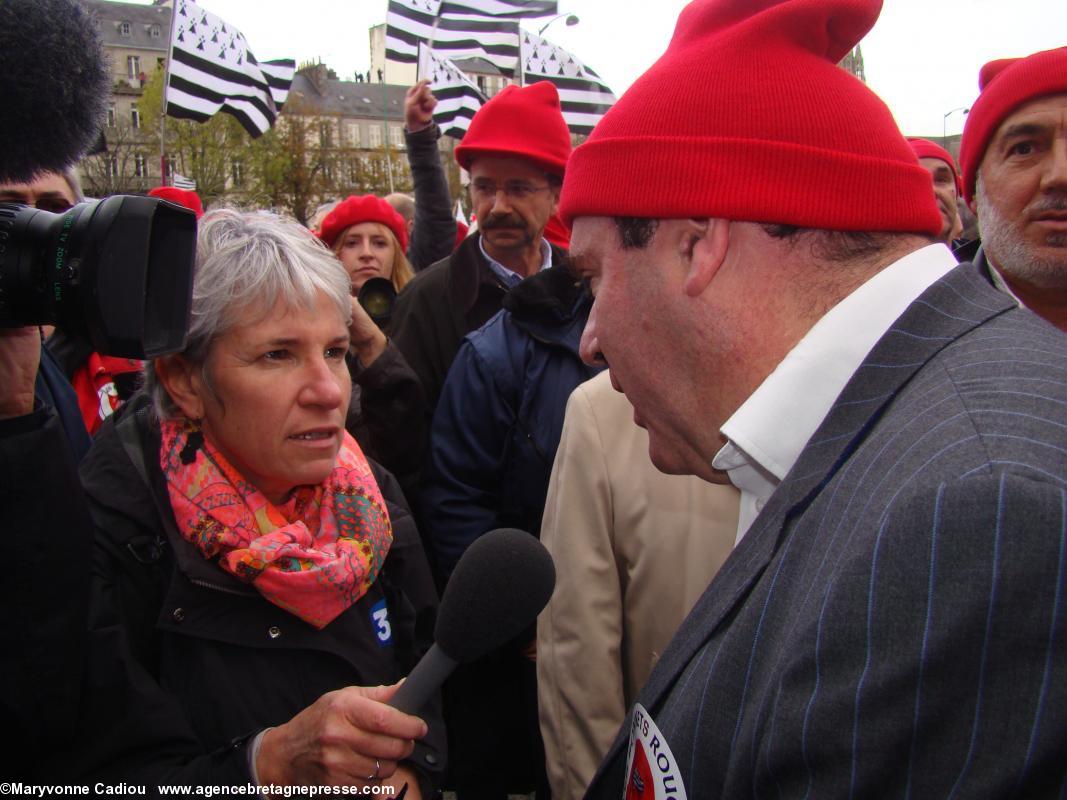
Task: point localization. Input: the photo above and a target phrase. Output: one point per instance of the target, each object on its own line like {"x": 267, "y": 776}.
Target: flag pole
{"x": 166, "y": 85}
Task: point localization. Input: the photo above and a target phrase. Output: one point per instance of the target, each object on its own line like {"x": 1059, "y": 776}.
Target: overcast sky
{"x": 922, "y": 57}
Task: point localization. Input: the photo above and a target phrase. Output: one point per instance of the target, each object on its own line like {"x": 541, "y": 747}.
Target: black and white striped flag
{"x": 212, "y": 70}
{"x": 583, "y": 97}
{"x": 513, "y": 9}
{"x": 458, "y": 98}
{"x": 409, "y": 22}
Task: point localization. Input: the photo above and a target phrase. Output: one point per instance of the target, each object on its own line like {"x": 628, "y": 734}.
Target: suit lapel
{"x": 954, "y": 305}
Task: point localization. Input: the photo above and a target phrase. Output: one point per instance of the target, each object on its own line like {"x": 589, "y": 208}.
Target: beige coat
{"x": 634, "y": 549}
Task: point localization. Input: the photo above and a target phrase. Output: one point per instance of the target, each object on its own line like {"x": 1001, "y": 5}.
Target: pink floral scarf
{"x": 314, "y": 556}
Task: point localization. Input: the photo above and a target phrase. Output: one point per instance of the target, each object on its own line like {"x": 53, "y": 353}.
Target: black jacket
{"x": 43, "y": 597}
{"x": 443, "y": 304}
{"x": 433, "y": 236}
{"x": 387, "y": 415}
{"x": 186, "y": 663}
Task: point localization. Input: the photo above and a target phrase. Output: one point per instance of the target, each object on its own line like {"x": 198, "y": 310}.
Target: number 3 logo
{"x": 380, "y": 619}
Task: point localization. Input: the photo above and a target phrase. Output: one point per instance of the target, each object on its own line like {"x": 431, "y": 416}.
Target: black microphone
{"x": 499, "y": 586}
{"x": 55, "y": 86}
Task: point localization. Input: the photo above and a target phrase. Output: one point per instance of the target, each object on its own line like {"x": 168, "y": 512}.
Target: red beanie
{"x": 748, "y": 117}
{"x": 1006, "y": 84}
{"x": 355, "y": 210}
{"x": 924, "y": 148}
{"x": 519, "y": 123}
{"x": 183, "y": 197}
{"x": 558, "y": 233}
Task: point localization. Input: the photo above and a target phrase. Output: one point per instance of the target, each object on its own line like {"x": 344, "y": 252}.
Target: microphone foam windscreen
{"x": 55, "y": 86}
{"x": 499, "y": 586}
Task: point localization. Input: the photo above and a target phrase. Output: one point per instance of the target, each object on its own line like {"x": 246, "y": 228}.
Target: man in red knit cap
{"x": 515, "y": 149}
{"x": 768, "y": 294}
{"x": 1014, "y": 160}
{"x": 942, "y": 168}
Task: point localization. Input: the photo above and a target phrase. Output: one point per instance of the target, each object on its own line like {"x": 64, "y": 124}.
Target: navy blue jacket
{"x": 500, "y": 416}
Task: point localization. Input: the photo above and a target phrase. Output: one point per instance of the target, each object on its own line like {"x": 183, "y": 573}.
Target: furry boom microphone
{"x": 54, "y": 81}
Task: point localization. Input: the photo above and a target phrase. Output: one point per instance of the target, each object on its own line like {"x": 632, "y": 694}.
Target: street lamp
{"x": 571, "y": 21}
{"x": 944, "y": 121}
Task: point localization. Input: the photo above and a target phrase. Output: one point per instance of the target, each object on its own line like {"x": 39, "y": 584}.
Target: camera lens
{"x": 378, "y": 297}
{"x": 116, "y": 272}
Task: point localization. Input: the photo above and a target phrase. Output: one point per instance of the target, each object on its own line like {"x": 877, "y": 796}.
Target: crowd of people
{"x": 795, "y": 441}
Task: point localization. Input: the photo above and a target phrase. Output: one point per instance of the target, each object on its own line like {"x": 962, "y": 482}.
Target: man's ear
{"x": 183, "y": 383}
{"x": 704, "y": 247}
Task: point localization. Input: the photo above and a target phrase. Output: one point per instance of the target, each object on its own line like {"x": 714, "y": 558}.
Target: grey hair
{"x": 246, "y": 259}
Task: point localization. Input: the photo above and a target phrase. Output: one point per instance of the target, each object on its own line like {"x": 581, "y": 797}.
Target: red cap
{"x": 924, "y": 148}
{"x": 519, "y": 123}
{"x": 367, "y": 208}
{"x": 183, "y": 197}
{"x": 461, "y": 233}
{"x": 1006, "y": 84}
{"x": 748, "y": 117}
{"x": 558, "y": 233}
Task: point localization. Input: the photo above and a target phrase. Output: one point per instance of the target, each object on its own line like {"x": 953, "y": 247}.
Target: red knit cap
{"x": 1006, "y": 84}
{"x": 747, "y": 117}
{"x": 367, "y": 208}
{"x": 183, "y": 197}
{"x": 924, "y": 148}
{"x": 519, "y": 123}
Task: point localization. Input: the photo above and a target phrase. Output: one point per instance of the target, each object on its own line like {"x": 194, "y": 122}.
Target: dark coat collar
{"x": 471, "y": 272}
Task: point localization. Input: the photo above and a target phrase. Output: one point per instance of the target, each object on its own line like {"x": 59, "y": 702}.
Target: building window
{"x": 325, "y": 134}
{"x": 396, "y": 136}
{"x": 133, "y": 66}
{"x": 353, "y": 135}
{"x": 139, "y": 166}
{"x": 135, "y": 116}
{"x": 111, "y": 116}
{"x": 153, "y": 31}
{"x": 375, "y": 136}
{"x": 124, "y": 29}
{"x": 238, "y": 170}
{"x": 481, "y": 84}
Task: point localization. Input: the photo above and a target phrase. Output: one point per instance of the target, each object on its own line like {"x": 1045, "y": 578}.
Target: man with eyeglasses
{"x": 515, "y": 149}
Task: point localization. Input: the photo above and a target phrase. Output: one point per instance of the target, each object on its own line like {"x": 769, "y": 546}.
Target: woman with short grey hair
{"x": 260, "y": 567}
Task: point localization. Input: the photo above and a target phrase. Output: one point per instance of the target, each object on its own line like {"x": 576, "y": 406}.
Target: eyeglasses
{"x": 516, "y": 190}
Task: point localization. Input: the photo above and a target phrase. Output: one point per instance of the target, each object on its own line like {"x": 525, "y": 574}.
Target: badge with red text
{"x": 651, "y": 770}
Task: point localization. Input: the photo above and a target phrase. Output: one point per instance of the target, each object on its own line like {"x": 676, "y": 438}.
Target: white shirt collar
{"x": 766, "y": 435}
{"x": 509, "y": 276}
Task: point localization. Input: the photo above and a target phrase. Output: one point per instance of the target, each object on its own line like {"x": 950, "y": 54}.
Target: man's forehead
{"x": 935, "y": 164}
{"x": 504, "y": 167}
{"x": 1041, "y": 112}
{"x": 50, "y": 183}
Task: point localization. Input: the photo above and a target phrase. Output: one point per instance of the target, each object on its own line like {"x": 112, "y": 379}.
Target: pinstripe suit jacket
{"x": 895, "y": 621}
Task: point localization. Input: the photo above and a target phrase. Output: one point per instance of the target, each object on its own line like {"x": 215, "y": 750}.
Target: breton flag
{"x": 513, "y": 9}
{"x": 458, "y": 98}
{"x": 181, "y": 182}
{"x": 212, "y": 70}
{"x": 584, "y": 98}
{"x": 408, "y": 22}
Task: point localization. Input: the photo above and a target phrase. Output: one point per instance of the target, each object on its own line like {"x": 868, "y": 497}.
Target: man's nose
{"x": 1055, "y": 176}
{"x": 589, "y": 347}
